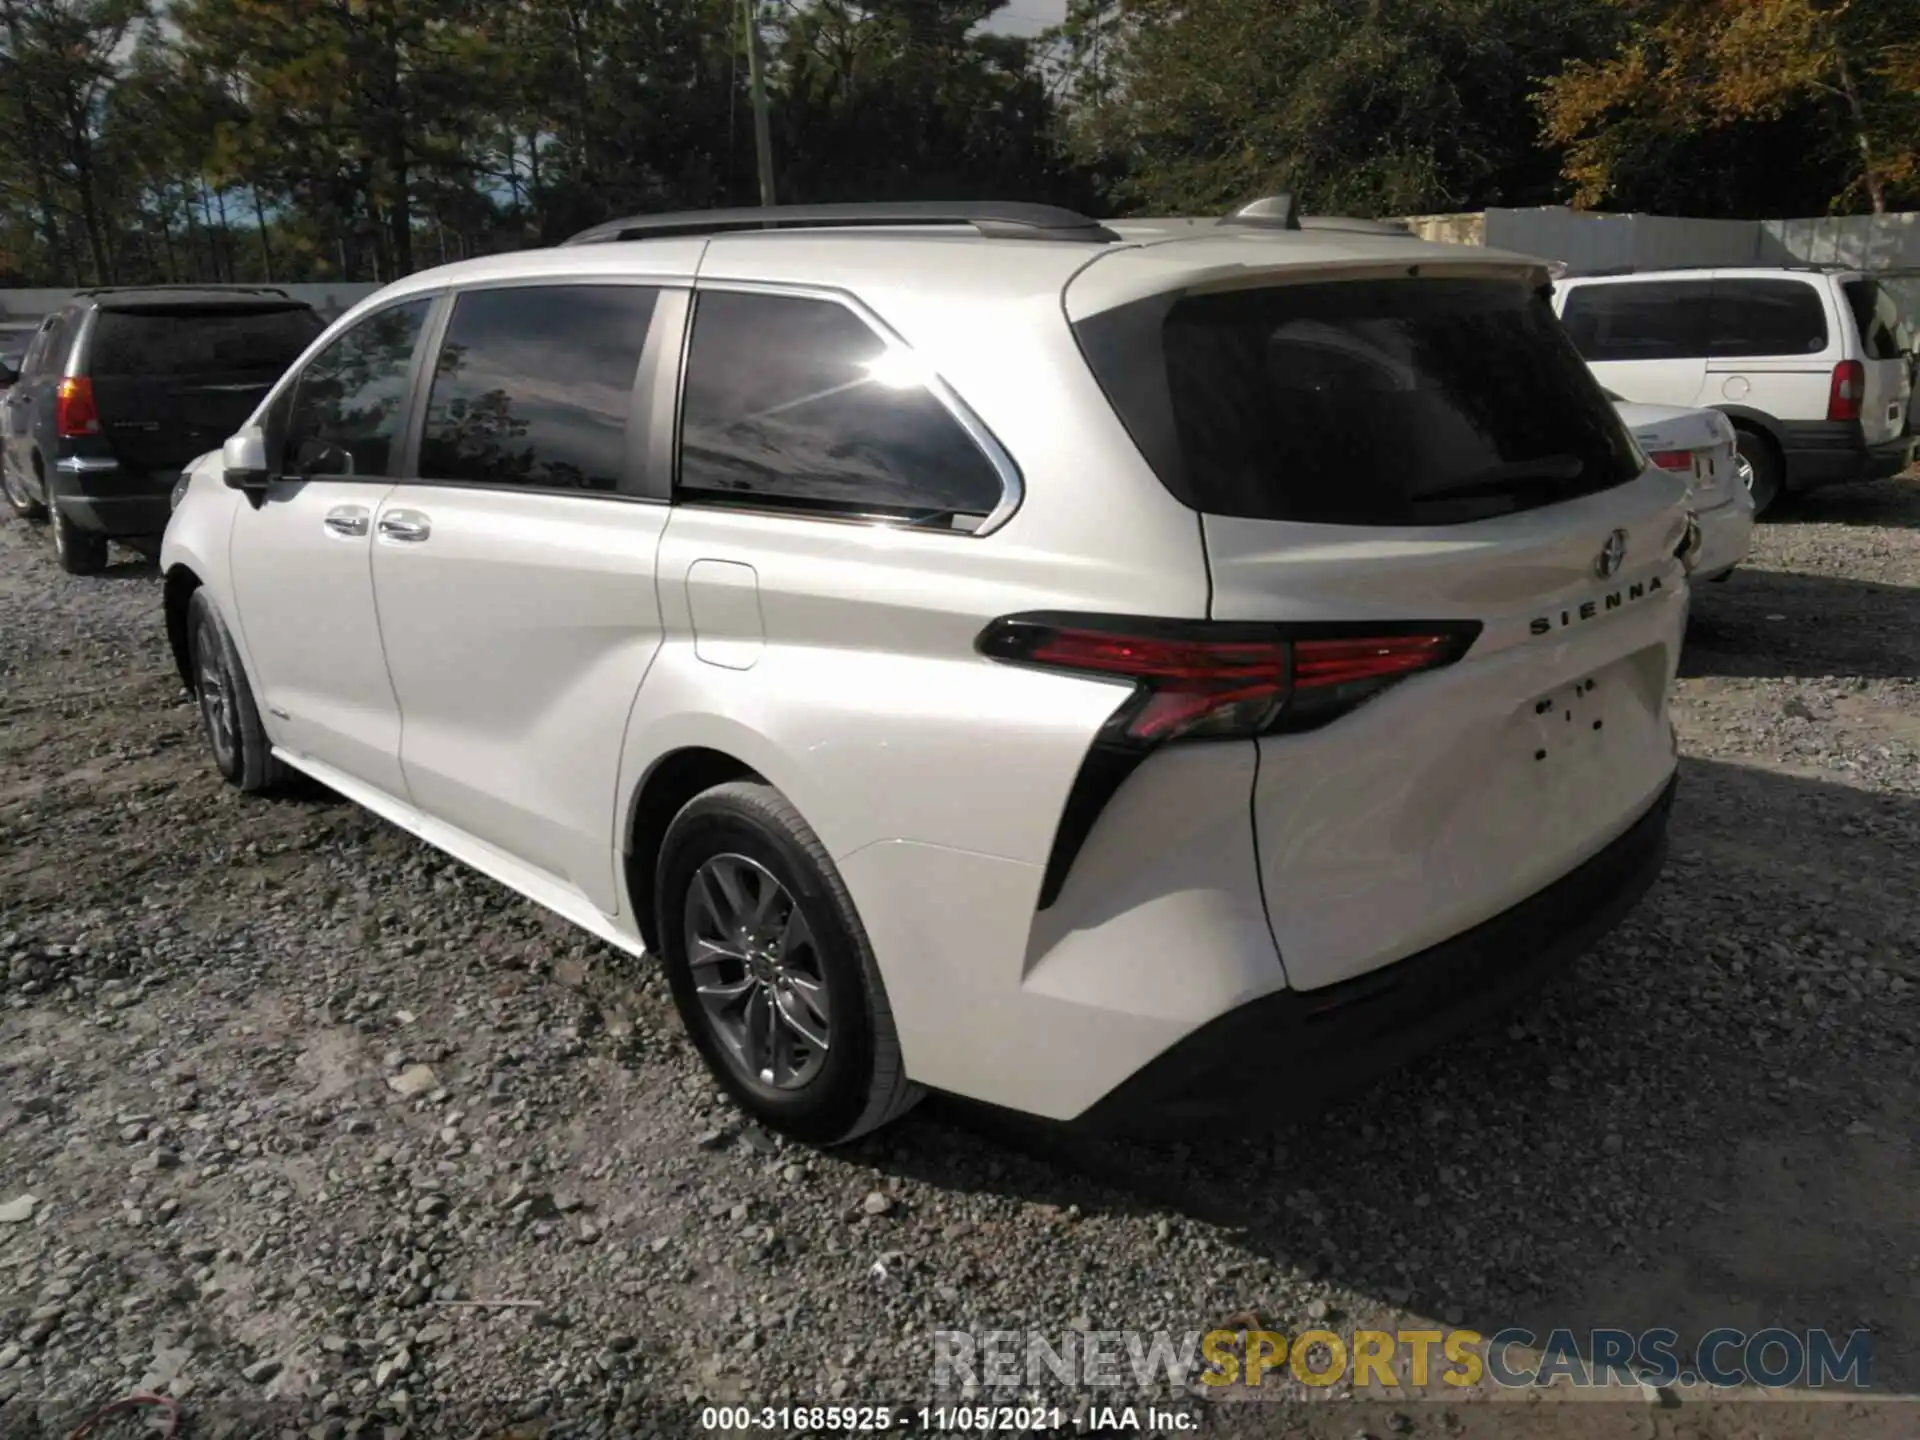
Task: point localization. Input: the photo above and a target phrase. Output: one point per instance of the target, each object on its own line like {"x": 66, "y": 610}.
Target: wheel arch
{"x": 668, "y": 784}
{"x": 1758, "y": 420}
{"x": 177, "y": 593}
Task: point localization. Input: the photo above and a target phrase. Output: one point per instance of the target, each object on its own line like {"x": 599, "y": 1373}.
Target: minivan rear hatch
{"x": 1885, "y": 340}
{"x": 1374, "y": 450}
{"x": 172, "y": 381}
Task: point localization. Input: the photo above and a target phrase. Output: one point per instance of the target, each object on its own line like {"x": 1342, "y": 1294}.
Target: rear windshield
{"x": 1360, "y": 402}
{"x": 176, "y": 341}
{"x": 1878, "y": 318}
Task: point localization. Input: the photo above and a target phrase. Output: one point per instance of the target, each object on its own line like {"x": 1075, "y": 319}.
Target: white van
{"x": 1812, "y": 366}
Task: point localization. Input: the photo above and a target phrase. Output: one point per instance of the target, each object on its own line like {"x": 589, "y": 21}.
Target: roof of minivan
{"x": 965, "y": 267}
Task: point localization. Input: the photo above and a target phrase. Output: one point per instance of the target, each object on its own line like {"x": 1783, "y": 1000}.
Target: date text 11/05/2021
{"x": 963, "y": 1419}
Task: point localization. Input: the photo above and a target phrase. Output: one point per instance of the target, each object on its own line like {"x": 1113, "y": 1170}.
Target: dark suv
{"x": 122, "y": 388}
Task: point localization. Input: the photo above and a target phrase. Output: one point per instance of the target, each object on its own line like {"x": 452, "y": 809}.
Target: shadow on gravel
{"x": 126, "y": 565}
{"x": 1772, "y": 624}
{"x": 1890, "y": 503}
{"x": 1707, "y": 1124}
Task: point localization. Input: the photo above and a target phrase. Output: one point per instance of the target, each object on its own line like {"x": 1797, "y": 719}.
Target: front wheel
{"x": 241, "y": 751}
{"x": 771, "y": 970}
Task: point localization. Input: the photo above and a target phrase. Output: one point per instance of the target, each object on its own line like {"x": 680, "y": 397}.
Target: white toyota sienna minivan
{"x": 1100, "y": 672}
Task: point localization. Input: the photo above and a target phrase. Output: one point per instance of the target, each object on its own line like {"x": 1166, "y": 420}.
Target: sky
{"x": 1029, "y": 17}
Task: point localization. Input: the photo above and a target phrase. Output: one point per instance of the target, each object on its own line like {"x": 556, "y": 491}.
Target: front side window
{"x": 349, "y": 405}
{"x": 534, "y": 385}
{"x": 796, "y": 403}
{"x": 1658, "y": 320}
{"x": 1767, "y": 317}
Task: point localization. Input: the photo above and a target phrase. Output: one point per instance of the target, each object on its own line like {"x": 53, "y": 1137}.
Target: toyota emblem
{"x": 1612, "y": 555}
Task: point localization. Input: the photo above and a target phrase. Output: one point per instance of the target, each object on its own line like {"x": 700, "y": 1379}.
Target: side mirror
{"x": 245, "y": 459}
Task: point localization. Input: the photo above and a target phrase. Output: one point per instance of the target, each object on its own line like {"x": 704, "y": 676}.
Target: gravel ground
{"x": 294, "y": 1094}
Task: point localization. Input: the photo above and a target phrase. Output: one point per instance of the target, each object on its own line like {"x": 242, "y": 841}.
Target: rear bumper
{"x": 117, "y": 516}
{"x": 1725, "y": 533}
{"x": 1822, "y": 452}
{"x": 1291, "y": 1049}
{"x": 100, "y": 496}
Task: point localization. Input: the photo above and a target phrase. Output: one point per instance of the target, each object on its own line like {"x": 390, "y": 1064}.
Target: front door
{"x": 301, "y": 555}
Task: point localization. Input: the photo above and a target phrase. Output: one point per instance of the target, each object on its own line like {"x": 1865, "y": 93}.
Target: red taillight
{"x": 1849, "y": 389}
{"x": 1202, "y": 679}
{"x": 74, "y": 412}
{"x": 1681, "y": 460}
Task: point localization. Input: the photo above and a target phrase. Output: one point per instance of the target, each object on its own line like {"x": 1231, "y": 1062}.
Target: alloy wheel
{"x": 1743, "y": 467}
{"x": 757, "y": 972}
{"x": 216, "y": 696}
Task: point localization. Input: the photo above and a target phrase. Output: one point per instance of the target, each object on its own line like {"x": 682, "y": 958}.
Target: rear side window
{"x": 49, "y": 346}
{"x": 348, "y": 404}
{"x": 1877, "y": 317}
{"x": 1766, "y": 317}
{"x": 158, "y": 343}
{"x": 1660, "y": 320}
{"x": 1361, "y": 402}
{"x": 534, "y": 385}
{"x": 796, "y": 403}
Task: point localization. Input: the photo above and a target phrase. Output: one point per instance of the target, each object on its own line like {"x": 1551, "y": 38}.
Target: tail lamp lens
{"x": 74, "y": 413}
{"x": 1219, "y": 680}
{"x": 1849, "y": 390}
{"x": 1680, "y": 460}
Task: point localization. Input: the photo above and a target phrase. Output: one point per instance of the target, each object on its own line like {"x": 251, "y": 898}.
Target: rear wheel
{"x": 1761, "y": 470}
{"x": 241, "y": 752}
{"x": 771, "y": 970}
{"x": 80, "y": 552}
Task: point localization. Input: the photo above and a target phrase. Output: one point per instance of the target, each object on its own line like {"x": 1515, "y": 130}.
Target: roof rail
{"x": 1270, "y": 212}
{"x": 1003, "y": 220}
{"x": 1799, "y": 267}
{"x": 186, "y": 285}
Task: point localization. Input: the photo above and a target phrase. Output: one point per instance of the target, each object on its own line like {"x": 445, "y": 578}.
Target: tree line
{"x": 289, "y": 140}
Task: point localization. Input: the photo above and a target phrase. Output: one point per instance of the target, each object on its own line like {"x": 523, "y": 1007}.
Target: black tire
{"x": 18, "y": 501}
{"x": 860, "y": 1083}
{"x": 80, "y": 552}
{"x": 1769, "y": 473}
{"x": 241, "y": 751}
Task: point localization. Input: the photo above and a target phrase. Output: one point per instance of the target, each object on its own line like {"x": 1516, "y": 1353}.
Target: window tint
{"x": 1767, "y": 317}
{"x": 1661, "y": 320}
{"x": 796, "y": 402}
{"x": 348, "y": 404}
{"x": 48, "y": 349}
{"x": 1390, "y": 402}
{"x": 1877, "y": 316}
{"x": 534, "y": 384}
{"x": 227, "y": 341}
